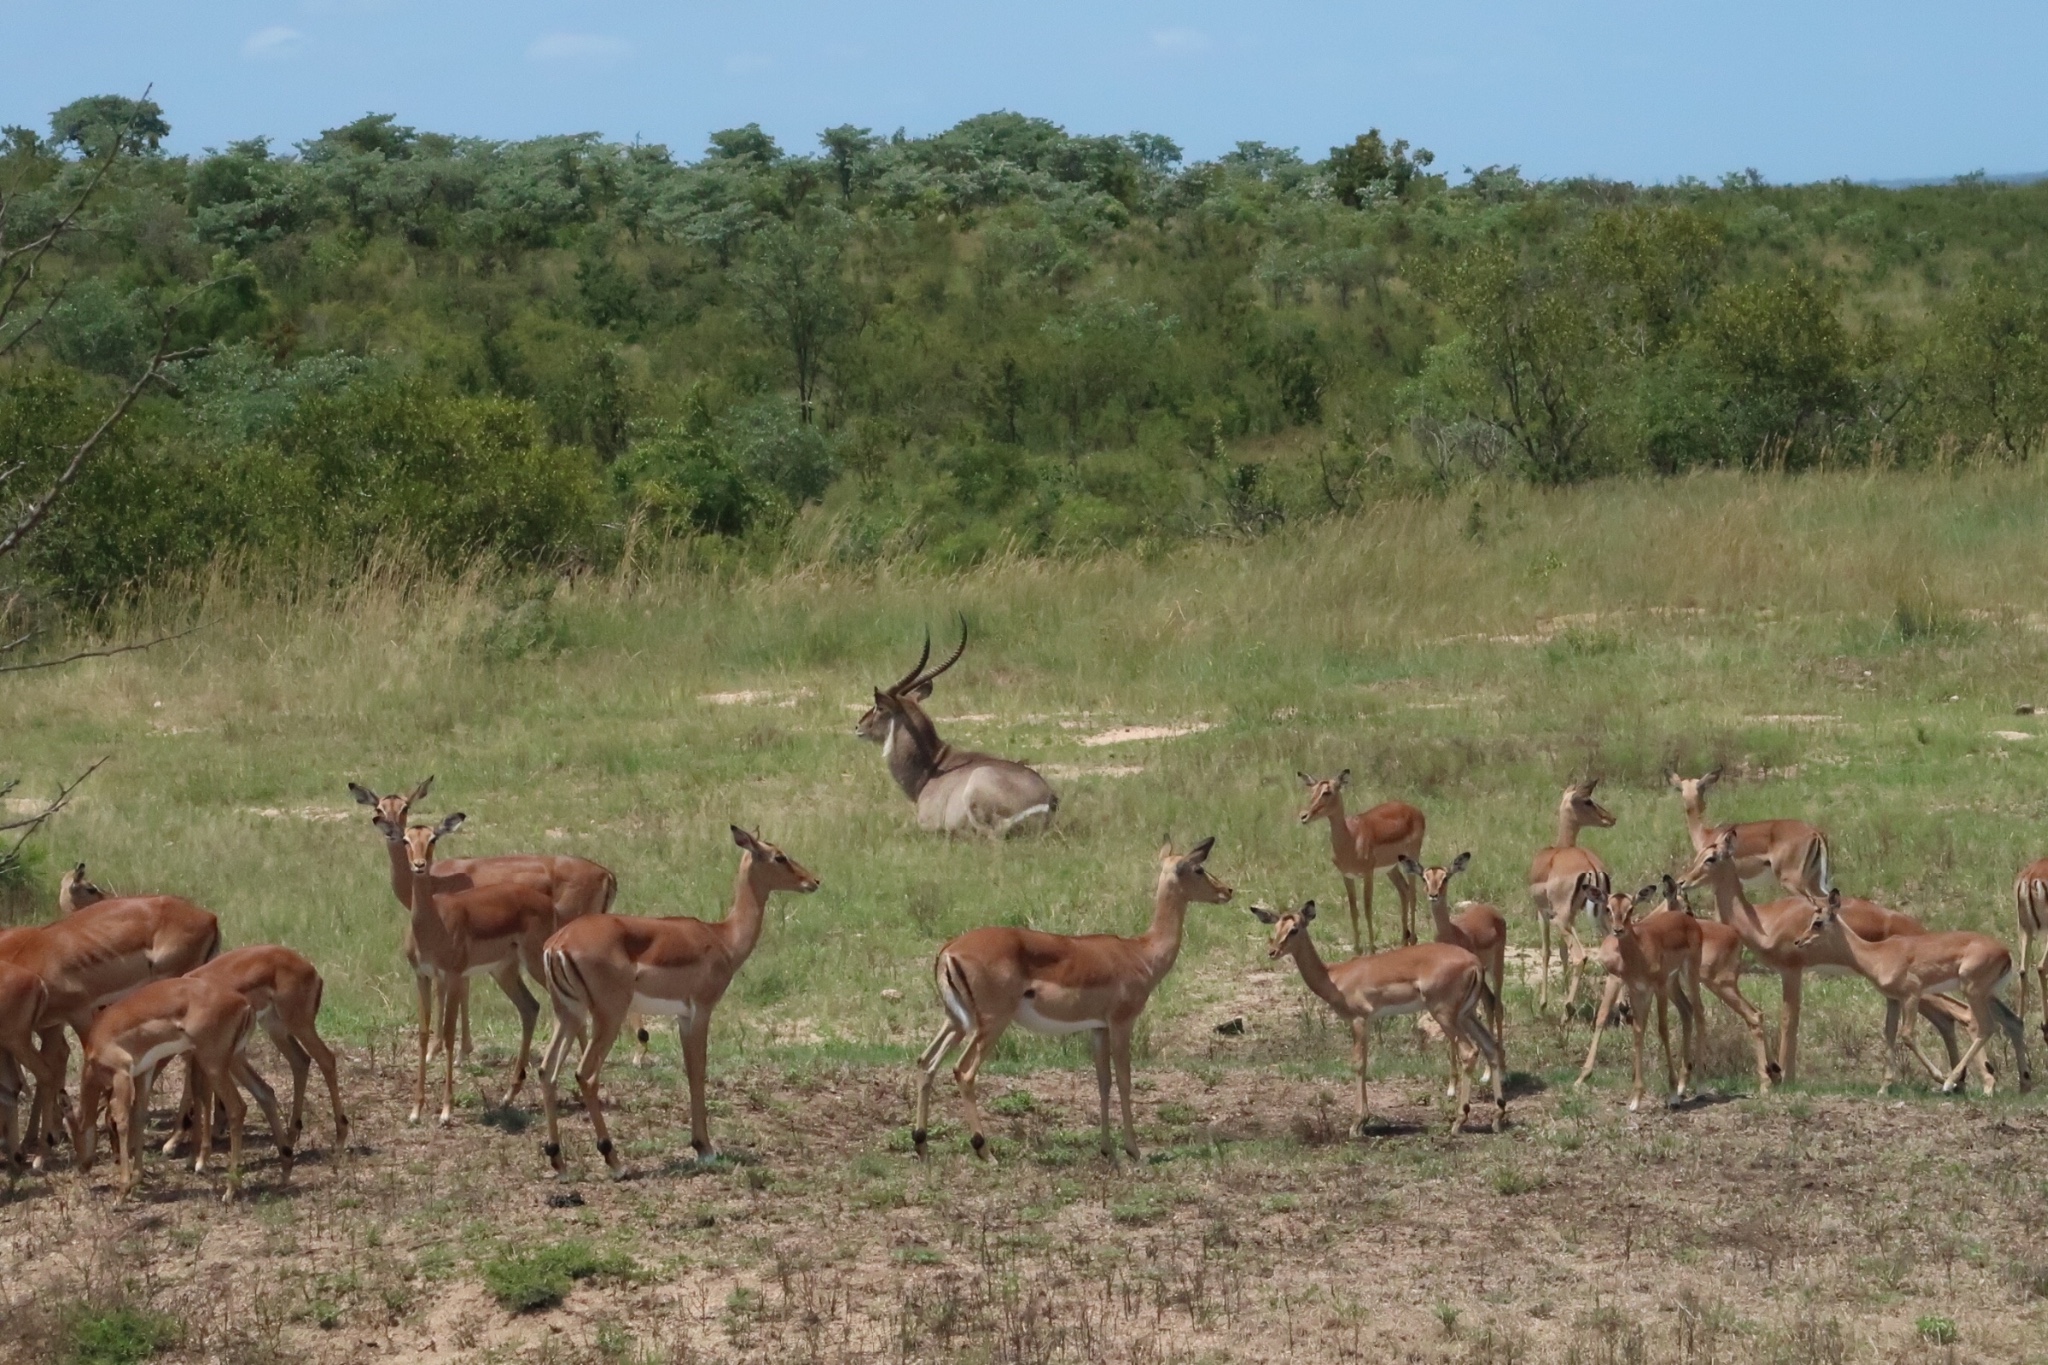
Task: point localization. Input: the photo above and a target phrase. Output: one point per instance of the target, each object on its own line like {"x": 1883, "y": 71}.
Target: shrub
{"x": 530, "y": 1279}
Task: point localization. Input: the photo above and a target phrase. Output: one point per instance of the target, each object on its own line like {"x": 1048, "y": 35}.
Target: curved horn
{"x": 955, "y": 656}
{"x": 910, "y": 678}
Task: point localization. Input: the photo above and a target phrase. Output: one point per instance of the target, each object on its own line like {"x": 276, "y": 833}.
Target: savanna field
{"x": 1851, "y": 648}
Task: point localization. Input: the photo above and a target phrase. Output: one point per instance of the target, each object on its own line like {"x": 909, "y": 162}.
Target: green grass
{"x": 121, "y": 1335}
{"x": 528, "y": 1279}
{"x": 1807, "y": 634}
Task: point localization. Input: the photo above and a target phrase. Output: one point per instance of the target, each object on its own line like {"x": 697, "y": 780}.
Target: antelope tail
{"x": 1817, "y": 863}
{"x": 566, "y": 984}
{"x": 954, "y": 993}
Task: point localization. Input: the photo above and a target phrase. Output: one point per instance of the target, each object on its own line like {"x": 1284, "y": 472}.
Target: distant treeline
{"x": 1000, "y": 336}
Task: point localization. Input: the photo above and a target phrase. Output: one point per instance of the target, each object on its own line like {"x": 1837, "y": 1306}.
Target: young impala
{"x": 1909, "y": 969}
{"x": 955, "y": 790}
{"x": 1564, "y": 877}
{"x": 1096, "y": 984}
{"x": 577, "y": 886}
{"x": 1654, "y": 958}
{"x": 601, "y": 969}
{"x": 1436, "y": 977}
{"x": 2030, "y": 903}
{"x": 1362, "y": 844}
{"x": 1792, "y": 851}
{"x": 129, "y": 1043}
{"x": 1478, "y": 928}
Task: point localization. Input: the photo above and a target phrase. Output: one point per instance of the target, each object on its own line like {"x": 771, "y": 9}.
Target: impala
{"x": 2030, "y": 900}
{"x": 1096, "y": 984}
{"x": 1655, "y": 958}
{"x": 600, "y": 969}
{"x": 1906, "y": 970}
{"x": 1438, "y": 978}
{"x": 21, "y": 1008}
{"x": 75, "y": 891}
{"x": 1363, "y": 844}
{"x": 1720, "y": 972}
{"x": 460, "y": 930}
{"x": 955, "y": 789}
{"x": 1478, "y": 928}
{"x": 577, "y": 886}
{"x": 1772, "y": 933}
{"x": 1565, "y": 876}
{"x": 283, "y": 989}
{"x": 132, "y": 1039}
{"x": 90, "y": 959}
{"x": 1792, "y": 851}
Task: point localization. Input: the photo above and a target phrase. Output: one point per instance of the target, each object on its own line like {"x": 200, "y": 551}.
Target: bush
{"x": 120, "y": 1335}
{"x": 525, "y": 1281}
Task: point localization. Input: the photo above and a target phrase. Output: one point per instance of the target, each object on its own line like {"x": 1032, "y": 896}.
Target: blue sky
{"x": 1644, "y": 90}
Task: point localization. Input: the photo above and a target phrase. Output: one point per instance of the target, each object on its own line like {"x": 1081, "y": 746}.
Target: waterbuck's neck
{"x": 913, "y": 749}
{"x": 1315, "y": 975}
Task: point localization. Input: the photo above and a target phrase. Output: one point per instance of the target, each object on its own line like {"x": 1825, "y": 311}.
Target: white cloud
{"x": 1180, "y": 40}
{"x": 588, "y": 48}
{"x": 268, "y": 44}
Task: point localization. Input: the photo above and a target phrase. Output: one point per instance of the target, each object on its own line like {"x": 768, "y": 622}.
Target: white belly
{"x": 1029, "y": 1017}
{"x": 158, "y": 1055}
{"x": 651, "y": 1004}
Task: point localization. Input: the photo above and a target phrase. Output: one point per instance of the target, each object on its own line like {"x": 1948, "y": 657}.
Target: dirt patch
{"x": 1065, "y": 770}
{"x": 318, "y": 815}
{"x": 754, "y": 697}
{"x": 2010, "y": 734}
{"x": 1124, "y": 734}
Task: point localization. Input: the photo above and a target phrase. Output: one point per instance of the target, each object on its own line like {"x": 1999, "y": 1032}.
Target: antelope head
{"x": 1190, "y": 873}
{"x": 75, "y": 891}
{"x": 388, "y": 813}
{"x": 420, "y": 841}
{"x": 1692, "y": 791}
{"x": 1674, "y": 896}
{"x": 894, "y": 702}
{"x": 1578, "y": 806}
{"x": 1323, "y": 795}
{"x": 1290, "y": 928}
{"x": 1827, "y": 915}
{"x": 1706, "y": 863}
{"x": 776, "y": 869}
{"x": 1435, "y": 881}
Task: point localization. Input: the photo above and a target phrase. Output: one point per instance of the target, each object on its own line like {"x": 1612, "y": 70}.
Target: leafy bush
{"x": 529, "y": 1279}
{"x": 120, "y": 1335}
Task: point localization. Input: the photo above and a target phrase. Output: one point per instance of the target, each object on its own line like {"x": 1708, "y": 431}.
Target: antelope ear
{"x": 1673, "y": 780}
{"x": 1263, "y": 915}
{"x": 449, "y": 825}
{"x": 1835, "y": 901}
{"x": 1308, "y": 911}
{"x": 1166, "y": 846}
{"x": 1670, "y": 885}
{"x": 745, "y": 840}
{"x": 419, "y": 793}
{"x": 1306, "y": 780}
{"x": 1459, "y": 863}
{"x": 921, "y": 692}
{"x": 1591, "y": 783}
{"x": 1199, "y": 854}
{"x": 1710, "y": 779}
{"x": 1646, "y": 893}
{"x": 363, "y": 795}
{"x": 1409, "y": 865}
{"x": 1726, "y": 848}
{"x": 882, "y": 699}
{"x": 1343, "y": 779}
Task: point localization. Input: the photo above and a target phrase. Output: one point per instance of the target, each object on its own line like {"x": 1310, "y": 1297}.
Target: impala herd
{"x": 142, "y": 982}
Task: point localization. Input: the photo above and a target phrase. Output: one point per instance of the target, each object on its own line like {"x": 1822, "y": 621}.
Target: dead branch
{"x": 107, "y": 653}
{"x": 30, "y": 824}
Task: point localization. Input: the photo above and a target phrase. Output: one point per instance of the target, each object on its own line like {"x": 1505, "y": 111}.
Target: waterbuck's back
{"x": 984, "y": 792}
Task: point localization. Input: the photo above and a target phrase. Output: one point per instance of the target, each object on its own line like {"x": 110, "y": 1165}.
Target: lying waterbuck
{"x": 954, "y": 790}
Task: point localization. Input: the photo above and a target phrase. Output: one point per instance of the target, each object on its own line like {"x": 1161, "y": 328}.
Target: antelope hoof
{"x": 1635, "y": 1103}
{"x": 1500, "y": 1116}
{"x": 553, "y": 1152}
{"x": 447, "y": 1118}
{"x": 980, "y": 1145}
{"x": 1359, "y": 1127}
{"x": 414, "y": 1116}
{"x": 286, "y": 1157}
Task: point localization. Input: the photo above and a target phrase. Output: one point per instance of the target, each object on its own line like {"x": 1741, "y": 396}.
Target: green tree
{"x": 105, "y": 125}
{"x": 849, "y": 149}
{"x": 795, "y": 294}
{"x": 1367, "y": 166}
{"x": 1987, "y": 365}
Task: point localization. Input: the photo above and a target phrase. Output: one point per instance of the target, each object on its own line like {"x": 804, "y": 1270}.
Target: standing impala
{"x": 1097, "y": 984}
{"x": 1909, "y": 969}
{"x": 88, "y": 960}
{"x": 1437, "y": 977}
{"x": 1563, "y": 877}
{"x": 2030, "y": 902}
{"x": 132, "y": 1039}
{"x": 1791, "y": 850}
{"x": 1773, "y": 933}
{"x": 21, "y": 1009}
{"x": 955, "y": 790}
{"x": 577, "y": 886}
{"x": 1654, "y": 958}
{"x": 1365, "y": 843}
{"x": 601, "y": 969}
{"x": 460, "y": 930}
{"x": 1478, "y": 928}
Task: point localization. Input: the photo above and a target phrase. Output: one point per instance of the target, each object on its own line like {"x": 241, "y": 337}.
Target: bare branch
{"x": 30, "y": 824}
{"x": 18, "y": 642}
{"x": 92, "y": 653}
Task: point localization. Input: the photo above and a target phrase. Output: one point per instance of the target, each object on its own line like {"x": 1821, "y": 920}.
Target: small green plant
{"x": 526, "y": 1280}
{"x": 1141, "y": 1208}
{"x": 1178, "y": 1115}
{"x": 1013, "y": 1103}
{"x": 1937, "y": 1330}
{"x": 919, "y": 1255}
{"x": 1447, "y": 1316}
{"x": 120, "y": 1335}
{"x": 1513, "y": 1180}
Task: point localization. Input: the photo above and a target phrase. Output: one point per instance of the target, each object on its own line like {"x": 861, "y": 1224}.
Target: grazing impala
{"x": 1478, "y": 928}
{"x": 1791, "y": 850}
{"x": 601, "y": 969}
{"x": 1365, "y": 843}
{"x": 1909, "y": 969}
{"x": 2030, "y": 901}
{"x": 1563, "y": 877}
{"x": 132, "y": 1039}
{"x": 283, "y": 989}
{"x": 1654, "y": 958}
{"x": 955, "y": 790}
{"x": 1438, "y": 978}
{"x": 460, "y": 930}
{"x": 90, "y": 959}
{"x": 1097, "y": 984}
{"x": 1773, "y": 934}
{"x": 577, "y": 886}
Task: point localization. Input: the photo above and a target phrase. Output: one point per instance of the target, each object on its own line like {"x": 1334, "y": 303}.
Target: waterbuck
{"x": 955, "y": 790}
